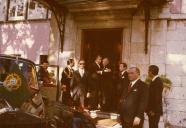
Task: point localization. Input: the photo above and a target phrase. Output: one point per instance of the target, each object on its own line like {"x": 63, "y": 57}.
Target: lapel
{"x": 85, "y": 73}
{"x": 133, "y": 87}
{"x": 99, "y": 67}
{"x": 78, "y": 74}
{"x": 122, "y": 75}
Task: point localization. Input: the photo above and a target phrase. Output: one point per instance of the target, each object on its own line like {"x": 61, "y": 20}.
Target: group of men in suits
{"x": 87, "y": 88}
{"x": 94, "y": 89}
{"x": 101, "y": 83}
{"x": 138, "y": 98}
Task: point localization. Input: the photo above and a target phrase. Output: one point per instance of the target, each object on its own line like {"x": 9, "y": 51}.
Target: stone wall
{"x": 167, "y": 43}
{"x": 176, "y": 70}
{"x": 167, "y": 49}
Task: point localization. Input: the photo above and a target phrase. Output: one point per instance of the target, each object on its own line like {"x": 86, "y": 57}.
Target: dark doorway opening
{"x": 105, "y": 42}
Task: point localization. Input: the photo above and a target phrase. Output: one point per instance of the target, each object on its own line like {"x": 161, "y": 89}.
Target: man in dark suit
{"x": 106, "y": 86}
{"x": 154, "y": 109}
{"x": 134, "y": 101}
{"x": 96, "y": 73}
{"x": 65, "y": 82}
{"x": 80, "y": 85}
{"x": 123, "y": 79}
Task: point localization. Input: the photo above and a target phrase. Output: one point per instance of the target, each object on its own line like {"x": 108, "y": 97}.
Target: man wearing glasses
{"x": 80, "y": 85}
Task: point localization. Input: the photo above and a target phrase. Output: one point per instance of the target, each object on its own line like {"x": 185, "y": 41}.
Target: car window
{"x": 25, "y": 67}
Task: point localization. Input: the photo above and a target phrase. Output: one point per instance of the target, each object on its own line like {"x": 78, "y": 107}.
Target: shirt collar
{"x": 82, "y": 70}
{"x": 98, "y": 64}
{"x": 69, "y": 67}
{"x": 133, "y": 82}
{"x": 153, "y": 79}
{"x": 123, "y": 72}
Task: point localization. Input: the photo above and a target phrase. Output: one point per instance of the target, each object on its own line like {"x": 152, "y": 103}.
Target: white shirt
{"x": 81, "y": 71}
{"x": 123, "y": 72}
{"x": 98, "y": 65}
{"x": 133, "y": 82}
{"x": 153, "y": 79}
{"x": 69, "y": 67}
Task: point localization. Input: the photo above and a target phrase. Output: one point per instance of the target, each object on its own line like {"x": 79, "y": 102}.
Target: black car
{"x": 23, "y": 106}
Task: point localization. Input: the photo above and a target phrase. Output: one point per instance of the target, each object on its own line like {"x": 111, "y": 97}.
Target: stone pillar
{"x": 137, "y": 54}
{"x": 54, "y": 45}
{"x": 55, "y": 55}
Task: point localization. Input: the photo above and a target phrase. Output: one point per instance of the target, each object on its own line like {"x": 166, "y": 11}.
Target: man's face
{"x": 45, "y": 66}
{"x": 133, "y": 74}
{"x": 72, "y": 64}
{"x": 122, "y": 68}
{"x": 150, "y": 74}
{"x": 99, "y": 59}
{"x": 82, "y": 64}
{"x": 105, "y": 61}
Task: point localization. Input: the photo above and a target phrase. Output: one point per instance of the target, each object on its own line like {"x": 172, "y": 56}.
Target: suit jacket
{"x": 123, "y": 81}
{"x": 66, "y": 77}
{"x": 134, "y": 103}
{"x": 155, "y": 96}
{"x": 44, "y": 76}
{"x": 80, "y": 85}
{"x": 95, "y": 77}
{"x": 106, "y": 79}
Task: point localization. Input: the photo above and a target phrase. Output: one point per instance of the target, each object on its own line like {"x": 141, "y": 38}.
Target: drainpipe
{"x": 147, "y": 19}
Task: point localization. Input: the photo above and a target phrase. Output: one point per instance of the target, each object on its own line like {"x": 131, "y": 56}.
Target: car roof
{"x": 14, "y": 57}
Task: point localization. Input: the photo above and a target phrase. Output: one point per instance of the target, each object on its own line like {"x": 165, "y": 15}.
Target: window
{"x": 15, "y": 10}
{"x": 3, "y": 10}
{"x": 43, "y": 59}
{"x": 36, "y": 10}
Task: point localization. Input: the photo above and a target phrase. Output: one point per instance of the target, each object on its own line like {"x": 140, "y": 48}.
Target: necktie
{"x": 130, "y": 87}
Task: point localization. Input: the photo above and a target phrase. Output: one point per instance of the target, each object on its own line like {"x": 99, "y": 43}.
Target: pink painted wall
{"x": 30, "y": 39}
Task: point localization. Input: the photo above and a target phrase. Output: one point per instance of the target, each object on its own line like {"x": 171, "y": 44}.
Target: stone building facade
{"x": 166, "y": 48}
{"x": 166, "y": 45}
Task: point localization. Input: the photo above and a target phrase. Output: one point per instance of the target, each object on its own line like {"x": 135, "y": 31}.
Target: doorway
{"x": 104, "y": 42}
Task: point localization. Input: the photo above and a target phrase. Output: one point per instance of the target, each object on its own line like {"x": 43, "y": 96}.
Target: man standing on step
{"x": 134, "y": 101}
{"x": 154, "y": 109}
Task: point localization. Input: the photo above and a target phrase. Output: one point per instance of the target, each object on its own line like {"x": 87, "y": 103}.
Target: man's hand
{"x": 136, "y": 121}
{"x": 88, "y": 95}
{"x": 99, "y": 72}
{"x": 107, "y": 70}
{"x": 63, "y": 88}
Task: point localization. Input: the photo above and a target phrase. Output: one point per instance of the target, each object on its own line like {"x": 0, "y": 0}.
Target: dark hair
{"x": 81, "y": 60}
{"x": 69, "y": 61}
{"x": 98, "y": 56}
{"x": 154, "y": 69}
{"x": 124, "y": 64}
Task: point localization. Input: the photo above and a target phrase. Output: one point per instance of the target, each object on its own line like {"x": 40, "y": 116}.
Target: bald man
{"x": 134, "y": 101}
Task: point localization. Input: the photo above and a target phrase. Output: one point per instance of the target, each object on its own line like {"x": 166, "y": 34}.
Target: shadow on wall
{"x": 30, "y": 39}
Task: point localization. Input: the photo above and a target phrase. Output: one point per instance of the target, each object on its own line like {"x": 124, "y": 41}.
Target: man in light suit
{"x": 80, "y": 85}
{"x": 154, "y": 109}
{"x": 134, "y": 101}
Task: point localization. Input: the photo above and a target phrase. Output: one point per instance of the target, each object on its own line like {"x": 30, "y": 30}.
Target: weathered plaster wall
{"x": 30, "y": 39}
